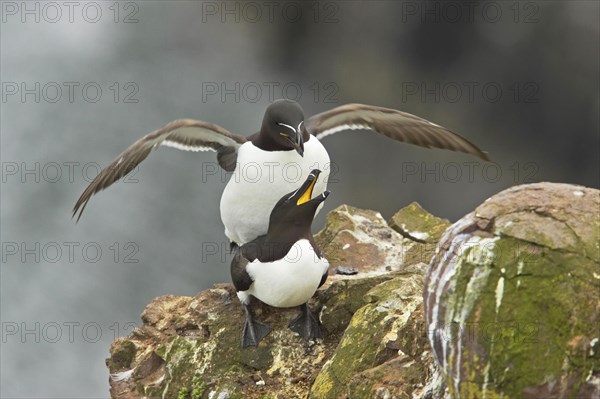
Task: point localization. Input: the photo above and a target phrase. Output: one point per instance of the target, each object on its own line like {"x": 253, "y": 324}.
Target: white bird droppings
{"x": 593, "y": 343}
{"x": 122, "y": 376}
{"x": 419, "y": 235}
{"x": 499, "y": 292}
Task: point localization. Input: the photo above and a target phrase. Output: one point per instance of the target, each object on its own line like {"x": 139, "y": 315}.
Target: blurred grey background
{"x": 81, "y": 82}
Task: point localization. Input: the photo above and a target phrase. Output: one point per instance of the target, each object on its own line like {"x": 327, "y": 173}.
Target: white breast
{"x": 260, "y": 179}
{"x": 290, "y": 281}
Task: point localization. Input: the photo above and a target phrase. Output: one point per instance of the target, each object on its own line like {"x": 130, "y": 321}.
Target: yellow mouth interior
{"x": 307, "y": 194}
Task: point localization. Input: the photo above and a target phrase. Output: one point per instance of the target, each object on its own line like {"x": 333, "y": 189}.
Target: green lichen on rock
{"x": 337, "y": 310}
{"x": 180, "y": 360}
{"x": 416, "y": 223}
{"x": 399, "y": 378}
{"x": 514, "y": 296}
{"x": 377, "y": 332}
{"x": 196, "y": 391}
{"x": 122, "y": 355}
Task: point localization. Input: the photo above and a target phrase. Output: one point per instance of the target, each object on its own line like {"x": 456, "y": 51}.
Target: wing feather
{"x": 182, "y": 134}
{"x": 397, "y": 125}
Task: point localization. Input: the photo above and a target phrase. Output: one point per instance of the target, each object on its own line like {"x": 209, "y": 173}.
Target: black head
{"x": 283, "y": 124}
{"x": 290, "y": 221}
{"x": 295, "y": 211}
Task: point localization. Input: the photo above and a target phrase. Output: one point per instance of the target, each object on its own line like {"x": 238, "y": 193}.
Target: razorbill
{"x": 283, "y": 268}
{"x": 273, "y": 161}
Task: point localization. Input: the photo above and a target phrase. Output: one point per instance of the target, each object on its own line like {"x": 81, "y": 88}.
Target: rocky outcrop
{"x": 383, "y": 352}
{"x": 372, "y": 316}
{"x": 512, "y": 298}
{"x": 511, "y": 309}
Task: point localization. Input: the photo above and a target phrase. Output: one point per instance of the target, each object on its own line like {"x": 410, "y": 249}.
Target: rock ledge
{"x": 375, "y": 345}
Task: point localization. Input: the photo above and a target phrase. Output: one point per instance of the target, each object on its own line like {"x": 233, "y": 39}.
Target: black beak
{"x": 320, "y": 198}
{"x": 299, "y": 144}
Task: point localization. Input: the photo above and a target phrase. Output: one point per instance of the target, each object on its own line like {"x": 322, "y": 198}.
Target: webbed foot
{"x": 254, "y": 330}
{"x": 306, "y": 324}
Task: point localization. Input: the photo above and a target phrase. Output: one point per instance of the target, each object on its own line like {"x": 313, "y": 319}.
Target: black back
{"x": 289, "y": 222}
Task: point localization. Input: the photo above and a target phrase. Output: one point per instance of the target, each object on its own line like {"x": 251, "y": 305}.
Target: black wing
{"x": 240, "y": 277}
{"x": 397, "y": 125}
{"x": 183, "y": 134}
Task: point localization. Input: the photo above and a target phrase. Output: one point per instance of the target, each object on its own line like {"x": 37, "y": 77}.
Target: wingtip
{"x": 79, "y": 207}
{"x": 74, "y": 213}
{"x": 485, "y": 156}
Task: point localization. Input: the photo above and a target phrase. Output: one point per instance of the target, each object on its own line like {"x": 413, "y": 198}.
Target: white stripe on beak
{"x": 288, "y": 126}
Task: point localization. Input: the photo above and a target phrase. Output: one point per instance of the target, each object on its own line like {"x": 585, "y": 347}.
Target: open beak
{"x": 304, "y": 193}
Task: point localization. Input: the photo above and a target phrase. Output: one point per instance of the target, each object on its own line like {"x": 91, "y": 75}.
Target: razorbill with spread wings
{"x": 271, "y": 162}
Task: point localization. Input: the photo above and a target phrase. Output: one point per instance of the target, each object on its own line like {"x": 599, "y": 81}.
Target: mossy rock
{"x": 415, "y": 223}
{"x": 421, "y": 227}
{"x": 390, "y": 323}
{"x": 512, "y": 299}
{"x": 205, "y": 357}
{"x": 122, "y": 354}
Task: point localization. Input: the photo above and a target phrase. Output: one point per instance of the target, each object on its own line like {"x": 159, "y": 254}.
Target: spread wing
{"x": 397, "y": 125}
{"x": 183, "y": 134}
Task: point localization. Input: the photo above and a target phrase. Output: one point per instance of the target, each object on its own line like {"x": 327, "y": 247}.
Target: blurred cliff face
{"x": 80, "y": 82}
